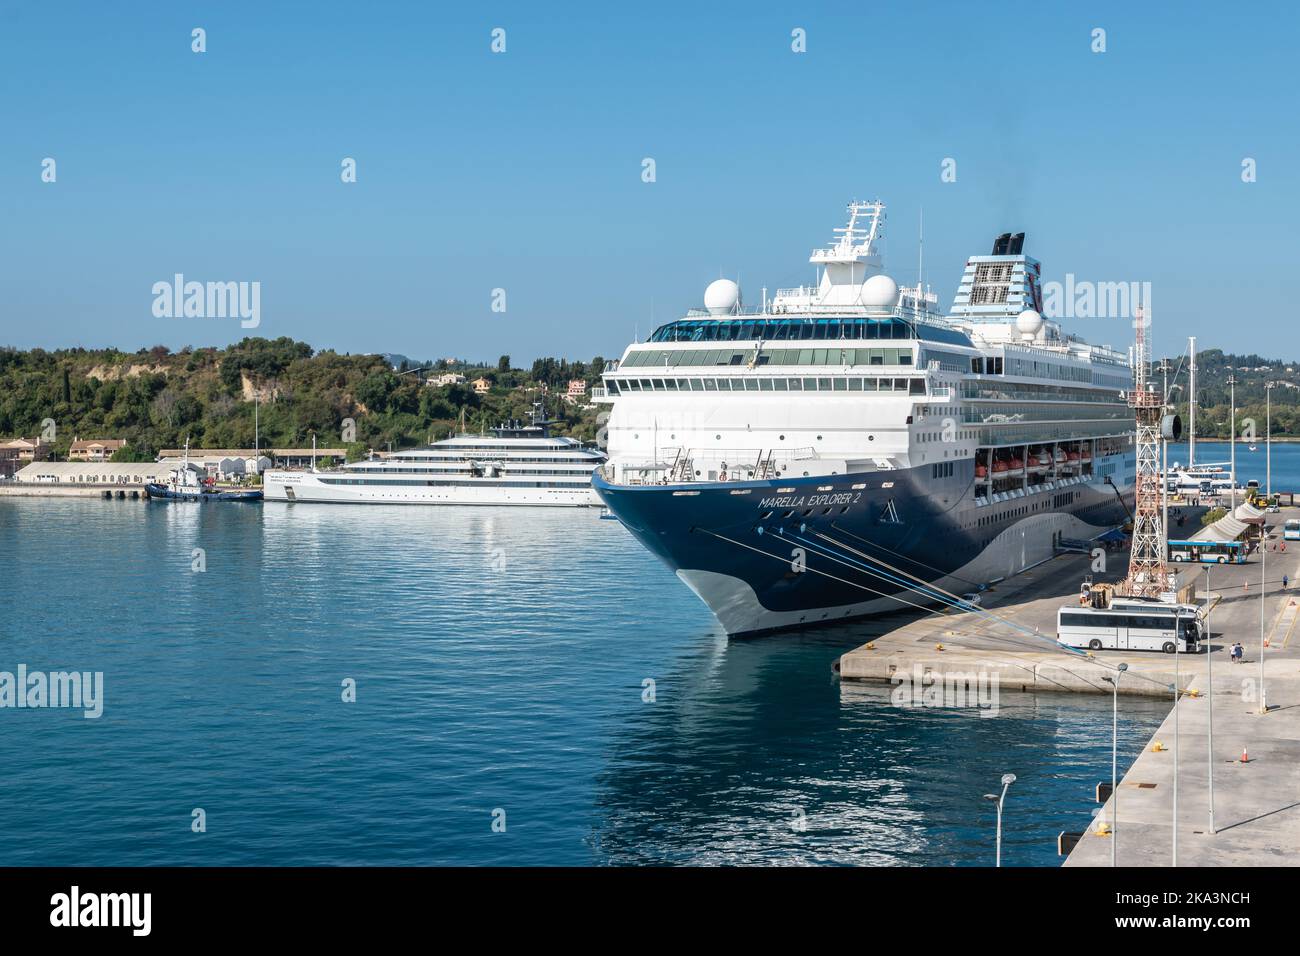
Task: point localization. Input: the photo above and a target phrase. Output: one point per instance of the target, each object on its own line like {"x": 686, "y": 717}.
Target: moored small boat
{"x": 184, "y": 484}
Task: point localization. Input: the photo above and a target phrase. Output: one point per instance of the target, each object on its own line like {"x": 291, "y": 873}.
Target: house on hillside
{"x": 448, "y": 378}
{"x": 94, "y": 449}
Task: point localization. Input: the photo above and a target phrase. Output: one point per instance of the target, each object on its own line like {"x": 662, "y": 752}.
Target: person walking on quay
{"x": 1236, "y": 653}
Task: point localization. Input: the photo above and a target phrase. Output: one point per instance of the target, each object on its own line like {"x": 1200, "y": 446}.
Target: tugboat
{"x": 184, "y": 484}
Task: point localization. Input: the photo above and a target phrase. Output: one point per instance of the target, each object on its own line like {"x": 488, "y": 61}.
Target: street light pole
{"x": 1209, "y": 664}
{"x": 1263, "y": 580}
{"x": 1268, "y": 437}
{"x": 1114, "y": 756}
{"x": 1232, "y": 440}
{"x": 1007, "y": 780}
{"x": 1177, "y": 695}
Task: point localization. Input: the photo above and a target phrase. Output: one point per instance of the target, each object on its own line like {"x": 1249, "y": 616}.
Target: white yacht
{"x": 513, "y": 464}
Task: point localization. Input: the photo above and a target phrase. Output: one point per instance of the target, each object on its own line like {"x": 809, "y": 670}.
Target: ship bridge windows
{"x": 803, "y": 329}
{"x": 884, "y": 355}
{"x": 765, "y": 383}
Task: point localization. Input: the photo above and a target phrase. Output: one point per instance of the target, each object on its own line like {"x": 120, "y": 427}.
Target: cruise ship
{"x": 515, "y": 463}
{"x": 843, "y": 449}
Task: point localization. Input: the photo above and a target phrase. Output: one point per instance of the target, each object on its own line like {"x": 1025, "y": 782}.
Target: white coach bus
{"x": 1132, "y": 625}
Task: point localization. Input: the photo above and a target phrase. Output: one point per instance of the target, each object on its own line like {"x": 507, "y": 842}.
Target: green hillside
{"x": 1213, "y": 417}
{"x": 156, "y": 398}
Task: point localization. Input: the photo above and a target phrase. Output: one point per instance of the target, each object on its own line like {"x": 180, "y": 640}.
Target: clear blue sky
{"x": 523, "y": 170}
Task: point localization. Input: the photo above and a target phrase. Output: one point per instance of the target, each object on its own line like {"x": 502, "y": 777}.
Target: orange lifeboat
{"x": 981, "y": 471}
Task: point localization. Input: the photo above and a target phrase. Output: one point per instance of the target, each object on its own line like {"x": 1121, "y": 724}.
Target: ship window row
{"x": 829, "y": 356}
{"x": 943, "y": 469}
{"x": 829, "y": 383}
{"x": 459, "y": 449}
{"x": 995, "y": 414}
{"x": 578, "y": 482}
{"x": 506, "y": 457}
{"x": 1035, "y": 432}
{"x": 1034, "y": 368}
{"x": 802, "y": 329}
{"x": 948, "y": 361}
{"x": 1017, "y": 391}
{"x": 580, "y": 468}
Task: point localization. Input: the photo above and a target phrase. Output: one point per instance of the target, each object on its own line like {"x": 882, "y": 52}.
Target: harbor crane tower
{"x": 1148, "y": 572}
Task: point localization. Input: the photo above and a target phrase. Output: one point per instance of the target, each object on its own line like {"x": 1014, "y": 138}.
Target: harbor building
{"x": 257, "y": 461}
{"x": 17, "y": 452}
{"x": 129, "y": 474}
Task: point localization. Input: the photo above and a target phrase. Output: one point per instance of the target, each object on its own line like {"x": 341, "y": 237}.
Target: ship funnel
{"x": 1000, "y": 244}
{"x": 1017, "y": 243}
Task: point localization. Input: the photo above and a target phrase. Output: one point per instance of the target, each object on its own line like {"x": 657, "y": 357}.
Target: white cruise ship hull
{"x": 320, "y": 487}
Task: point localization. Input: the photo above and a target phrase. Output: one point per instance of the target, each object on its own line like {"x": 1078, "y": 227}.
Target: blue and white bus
{"x": 1208, "y": 552}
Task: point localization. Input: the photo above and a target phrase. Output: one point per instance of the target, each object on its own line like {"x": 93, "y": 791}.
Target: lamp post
{"x": 1268, "y": 438}
{"x": 1177, "y": 695}
{"x": 1114, "y": 755}
{"x": 1209, "y": 665}
{"x": 1232, "y": 443}
{"x": 1263, "y": 580}
{"x": 1007, "y": 780}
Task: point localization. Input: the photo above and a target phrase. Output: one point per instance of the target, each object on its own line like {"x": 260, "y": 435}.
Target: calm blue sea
{"x": 1250, "y": 464}
{"x": 499, "y": 657}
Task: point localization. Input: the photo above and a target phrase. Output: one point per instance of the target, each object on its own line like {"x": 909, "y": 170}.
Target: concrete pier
{"x": 38, "y": 490}
{"x": 1257, "y": 803}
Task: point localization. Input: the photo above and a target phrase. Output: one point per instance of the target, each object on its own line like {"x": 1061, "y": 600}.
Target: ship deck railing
{"x": 679, "y": 465}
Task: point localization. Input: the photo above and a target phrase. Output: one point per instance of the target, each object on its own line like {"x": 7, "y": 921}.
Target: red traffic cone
{"x": 1245, "y": 757}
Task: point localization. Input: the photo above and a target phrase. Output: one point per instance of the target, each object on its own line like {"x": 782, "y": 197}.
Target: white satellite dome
{"x": 721, "y": 297}
{"x": 879, "y": 292}
{"x": 1029, "y": 323}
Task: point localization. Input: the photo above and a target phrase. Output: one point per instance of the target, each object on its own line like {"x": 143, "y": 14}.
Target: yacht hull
{"x": 314, "y": 487}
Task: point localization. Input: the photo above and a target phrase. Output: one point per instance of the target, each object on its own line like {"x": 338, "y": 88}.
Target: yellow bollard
{"x": 938, "y": 647}
{"x": 1157, "y": 747}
